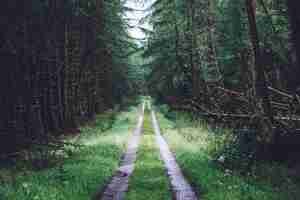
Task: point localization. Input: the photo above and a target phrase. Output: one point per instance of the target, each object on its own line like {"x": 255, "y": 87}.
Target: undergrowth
{"x": 202, "y": 153}
{"x": 81, "y": 174}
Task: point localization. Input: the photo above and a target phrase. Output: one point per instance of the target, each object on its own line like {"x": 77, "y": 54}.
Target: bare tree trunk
{"x": 260, "y": 79}
{"x": 100, "y": 59}
{"x": 294, "y": 16}
{"x": 212, "y": 51}
{"x": 191, "y": 38}
{"x": 195, "y": 71}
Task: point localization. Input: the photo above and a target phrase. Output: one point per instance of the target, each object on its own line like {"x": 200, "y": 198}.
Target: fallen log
{"x": 245, "y": 116}
{"x": 280, "y": 92}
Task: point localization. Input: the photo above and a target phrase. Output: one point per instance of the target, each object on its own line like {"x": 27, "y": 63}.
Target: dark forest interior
{"x": 69, "y": 66}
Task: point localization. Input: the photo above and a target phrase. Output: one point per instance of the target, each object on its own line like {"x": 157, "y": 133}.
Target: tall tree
{"x": 260, "y": 79}
{"x": 294, "y": 16}
{"x": 62, "y": 59}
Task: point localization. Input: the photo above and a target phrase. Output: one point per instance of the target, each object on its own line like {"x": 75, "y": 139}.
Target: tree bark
{"x": 212, "y": 47}
{"x": 260, "y": 79}
{"x": 294, "y": 17}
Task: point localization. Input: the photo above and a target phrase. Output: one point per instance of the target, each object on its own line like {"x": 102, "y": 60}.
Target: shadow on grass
{"x": 78, "y": 178}
{"x": 81, "y": 175}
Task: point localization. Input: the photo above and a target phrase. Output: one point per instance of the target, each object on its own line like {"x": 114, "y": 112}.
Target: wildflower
{"x": 36, "y": 197}
{"x": 221, "y": 159}
{"x": 227, "y": 172}
{"x": 25, "y": 185}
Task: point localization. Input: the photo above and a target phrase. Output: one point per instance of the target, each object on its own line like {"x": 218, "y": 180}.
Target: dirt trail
{"x": 118, "y": 185}
{"x": 180, "y": 187}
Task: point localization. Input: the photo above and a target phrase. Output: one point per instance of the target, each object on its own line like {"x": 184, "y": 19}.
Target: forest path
{"x": 120, "y": 182}
{"x": 117, "y": 187}
{"x": 182, "y": 190}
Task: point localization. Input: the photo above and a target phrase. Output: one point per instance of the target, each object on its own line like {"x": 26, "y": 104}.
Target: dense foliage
{"x": 207, "y": 42}
{"x": 232, "y": 61}
{"x": 62, "y": 61}
{"x": 235, "y": 62}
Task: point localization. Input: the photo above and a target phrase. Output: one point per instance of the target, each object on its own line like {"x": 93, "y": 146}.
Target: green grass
{"x": 82, "y": 174}
{"x": 192, "y": 144}
{"x": 149, "y": 180}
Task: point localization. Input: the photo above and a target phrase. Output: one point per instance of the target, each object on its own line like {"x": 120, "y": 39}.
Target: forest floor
{"x": 194, "y": 143}
{"x": 82, "y": 173}
{"x": 151, "y": 171}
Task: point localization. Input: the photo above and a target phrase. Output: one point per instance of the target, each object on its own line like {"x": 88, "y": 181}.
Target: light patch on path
{"x": 118, "y": 186}
{"x": 182, "y": 190}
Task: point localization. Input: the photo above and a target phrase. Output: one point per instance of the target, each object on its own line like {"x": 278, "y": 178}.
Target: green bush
{"x": 164, "y": 109}
{"x": 240, "y": 152}
{"x": 167, "y": 112}
{"x": 200, "y": 151}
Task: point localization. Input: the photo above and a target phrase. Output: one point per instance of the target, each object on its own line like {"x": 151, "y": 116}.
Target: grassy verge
{"x": 193, "y": 143}
{"x": 80, "y": 175}
{"x": 149, "y": 180}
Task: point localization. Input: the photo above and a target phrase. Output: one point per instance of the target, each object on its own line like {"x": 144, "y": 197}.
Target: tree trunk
{"x": 294, "y": 17}
{"x": 191, "y": 37}
{"x": 260, "y": 79}
{"x": 211, "y": 40}
{"x": 100, "y": 59}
